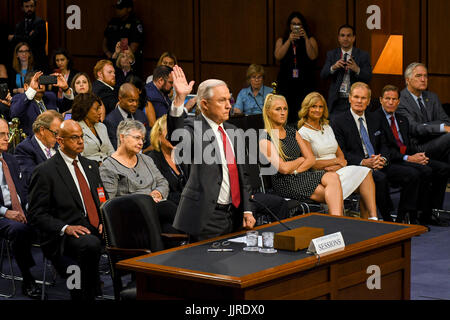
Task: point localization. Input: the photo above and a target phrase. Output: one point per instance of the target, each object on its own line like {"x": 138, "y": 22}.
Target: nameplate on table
{"x": 326, "y": 244}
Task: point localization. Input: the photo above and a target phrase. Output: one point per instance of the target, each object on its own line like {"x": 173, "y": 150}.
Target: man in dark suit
{"x": 33, "y": 31}
{"x": 361, "y": 137}
{"x": 41, "y": 146}
{"x": 215, "y": 200}
{"x": 433, "y": 174}
{"x": 344, "y": 66}
{"x": 13, "y": 218}
{"x": 429, "y": 124}
{"x": 65, "y": 196}
{"x": 127, "y": 108}
{"x": 27, "y": 106}
{"x": 104, "y": 85}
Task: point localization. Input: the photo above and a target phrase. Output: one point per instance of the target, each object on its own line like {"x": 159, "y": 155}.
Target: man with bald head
{"x": 127, "y": 108}
{"x": 65, "y": 196}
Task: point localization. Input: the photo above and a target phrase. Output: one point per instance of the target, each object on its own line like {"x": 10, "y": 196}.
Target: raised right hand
{"x": 35, "y": 80}
{"x": 181, "y": 86}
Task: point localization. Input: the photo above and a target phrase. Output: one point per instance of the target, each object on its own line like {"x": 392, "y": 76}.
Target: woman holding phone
{"x": 296, "y": 51}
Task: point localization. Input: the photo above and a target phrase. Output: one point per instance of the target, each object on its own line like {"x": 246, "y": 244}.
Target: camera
{"x": 48, "y": 80}
{"x": 3, "y": 91}
{"x": 297, "y": 29}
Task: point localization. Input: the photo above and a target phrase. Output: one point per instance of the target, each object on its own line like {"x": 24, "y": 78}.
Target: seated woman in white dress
{"x": 313, "y": 127}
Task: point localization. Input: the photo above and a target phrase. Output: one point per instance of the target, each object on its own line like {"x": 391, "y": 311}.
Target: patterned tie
{"x": 400, "y": 144}
{"x": 42, "y": 107}
{"x": 232, "y": 170}
{"x": 89, "y": 203}
{"x": 365, "y": 138}
{"x": 49, "y": 154}
{"x": 422, "y": 109}
{"x": 15, "y": 203}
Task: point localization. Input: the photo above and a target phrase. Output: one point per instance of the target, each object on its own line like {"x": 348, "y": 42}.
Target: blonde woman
{"x": 314, "y": 128}
{"x": 293, "y": 158}
{"x": 162, "y": 157}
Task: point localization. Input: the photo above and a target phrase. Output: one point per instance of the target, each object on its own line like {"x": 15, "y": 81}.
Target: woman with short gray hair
{"x": 128, "y": 171}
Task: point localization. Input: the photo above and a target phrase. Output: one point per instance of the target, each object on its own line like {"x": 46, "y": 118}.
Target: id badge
{"x": 344, "y": 87}
{"x": 101, "y": 194}
{"x": 295, "y": 73}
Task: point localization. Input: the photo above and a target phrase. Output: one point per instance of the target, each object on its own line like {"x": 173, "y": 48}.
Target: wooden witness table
{"x": 192, "y": 272}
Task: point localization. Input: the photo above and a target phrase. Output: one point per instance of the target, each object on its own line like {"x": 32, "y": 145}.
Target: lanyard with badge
{"x": 295, "y": 72}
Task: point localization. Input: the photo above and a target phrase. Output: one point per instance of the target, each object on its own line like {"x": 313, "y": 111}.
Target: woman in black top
{"x": 296, "y": 51}
{"x": 161, "y": 155}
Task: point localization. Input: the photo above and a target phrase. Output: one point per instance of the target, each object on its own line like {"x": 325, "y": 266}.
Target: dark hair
{"x": 23, "y": 1}
{"x": 82, "y": 104}
{"x": 298, "y": 15}
{"x": 390, "y": 87}
{"x": 66, "y": 54}
{"x": 161, "y": 72}
{"x": 347, "y": 26}
{"x": 138, "y": 83}
{"x": 29, "y": 76}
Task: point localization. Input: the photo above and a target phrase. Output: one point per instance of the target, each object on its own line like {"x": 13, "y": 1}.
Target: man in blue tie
{"x": 360, "y": 136}
{"x": 428, "y": 122}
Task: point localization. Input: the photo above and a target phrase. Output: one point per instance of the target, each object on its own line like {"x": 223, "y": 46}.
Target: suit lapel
{"x": 87, "y": 131}
{"x": 67, "y": 179}
{"x": 37, "y": 149}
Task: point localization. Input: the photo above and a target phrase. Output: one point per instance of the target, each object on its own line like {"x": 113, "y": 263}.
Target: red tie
{"x": 15, "y": 204}
{"x": 89, "y": 203}
{"x": 232, "y": 170}
{"x": 397, "y": 138}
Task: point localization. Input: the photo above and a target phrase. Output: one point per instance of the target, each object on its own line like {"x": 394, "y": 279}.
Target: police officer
{"x": 127, "y": 29}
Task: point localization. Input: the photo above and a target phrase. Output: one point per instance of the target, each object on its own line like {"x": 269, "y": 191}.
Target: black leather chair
{"x": 132, "y": 228}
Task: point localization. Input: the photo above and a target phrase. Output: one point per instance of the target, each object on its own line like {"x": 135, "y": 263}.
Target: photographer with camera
{"x": 345, "y": 66}
{"x": 36, "y": 100}
{"x": 296, "y": 51}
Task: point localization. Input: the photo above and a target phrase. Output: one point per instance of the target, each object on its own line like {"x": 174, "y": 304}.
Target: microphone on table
{"x": 252, "y": 198}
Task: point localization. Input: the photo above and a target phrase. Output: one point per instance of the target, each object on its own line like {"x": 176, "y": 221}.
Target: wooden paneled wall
{"x": 220, "y": 38}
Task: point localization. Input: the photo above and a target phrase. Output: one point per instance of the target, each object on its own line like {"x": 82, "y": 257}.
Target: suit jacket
{"x": 422, "y": 130}
{"x": 108, "y": 96}
{"x": 55, "y": 200}
{"x": 28, "y": 110}
{"x": 348, "y": 138}
{"x": 93, "y": 148}
{"x": 199, "y": 196}
{"x": 361, "y": 58}
{"x": 29, "y": 154}
{"x": 18, "y": 178}
{"x": 403, "y": 126}
{"x": 36, "y": 41}
{"x": 160, "y": 102}
{"x": 113, "y": 119}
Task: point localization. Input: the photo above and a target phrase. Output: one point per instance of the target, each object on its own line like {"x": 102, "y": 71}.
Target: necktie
{"x": 232, "y": 170}
{"x": 15, "y": 204}
{"x": 42, "y": 107}
{"x": 345, "y": 59}
{"x": 400, "y": 144}
{"x": 89, "y": 203}
{"x": 365, "y": 138}
{"x": 129, "y": 116}
{"x": 422, "y": 109}
{"x": 49, "y": 154}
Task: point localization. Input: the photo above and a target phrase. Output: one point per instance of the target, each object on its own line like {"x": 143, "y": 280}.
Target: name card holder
{"x": 326, "y": 244}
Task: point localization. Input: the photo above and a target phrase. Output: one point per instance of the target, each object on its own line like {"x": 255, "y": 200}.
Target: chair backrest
{"x": 131, "y": 222}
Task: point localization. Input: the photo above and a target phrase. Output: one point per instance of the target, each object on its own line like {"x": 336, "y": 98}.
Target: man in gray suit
{"x": 216, "y": 198}
{"x": 429, "y": 124}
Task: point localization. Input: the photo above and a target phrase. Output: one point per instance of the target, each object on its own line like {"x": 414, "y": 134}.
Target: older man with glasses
{"x": 65, "y": 196}
{"x": 41, "y": 146}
